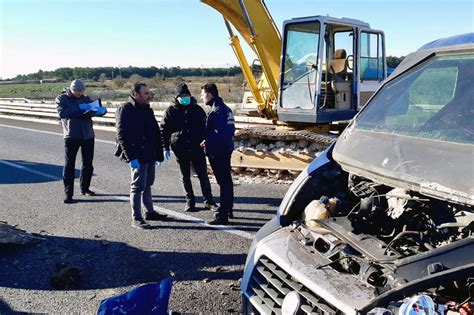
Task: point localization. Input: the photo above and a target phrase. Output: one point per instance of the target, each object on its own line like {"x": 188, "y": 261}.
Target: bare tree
{"x": 134, "y": 78}
{"x": 102, "y": 77}
{"x": 119, "y": 81}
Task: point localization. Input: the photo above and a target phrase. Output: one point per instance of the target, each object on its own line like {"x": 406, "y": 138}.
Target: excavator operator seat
{"x": 338, "y": 65}
{"x": 339, "y": 80}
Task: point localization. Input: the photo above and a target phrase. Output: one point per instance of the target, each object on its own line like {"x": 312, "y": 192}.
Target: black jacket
{"x": 138, "y": 133}
{"x": 77, "y": 123}
{"x": 183, "y": 127}
{"x": 220, "y": 129}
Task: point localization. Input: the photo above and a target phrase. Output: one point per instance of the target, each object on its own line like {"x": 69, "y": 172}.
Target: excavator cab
{"x": 329, "y": 68}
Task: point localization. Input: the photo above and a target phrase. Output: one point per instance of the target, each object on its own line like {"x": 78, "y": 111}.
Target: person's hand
{"x": 101, "y": 111}
{"x": 203, "y": 144}
{"x": 157, "y": 163}
{"x": 167, "y": 154}
{"x": 134, "y": 164}
{"x": 85, "y": 106}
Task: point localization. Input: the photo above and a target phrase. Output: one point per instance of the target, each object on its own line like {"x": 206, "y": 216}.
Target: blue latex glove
{"x": 134, "y": 164}
{"x": 101, "y": 111}
{"x": 85, "y": 106}
{"x": 157, "y": 163}
{"x": 167, "y": 154}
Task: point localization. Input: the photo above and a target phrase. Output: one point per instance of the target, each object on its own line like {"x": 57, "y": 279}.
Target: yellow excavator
{"x": 323, "y": 70}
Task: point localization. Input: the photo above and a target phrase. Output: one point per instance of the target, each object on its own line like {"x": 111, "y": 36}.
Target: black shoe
{"x": 140, "y": 224}
{"x": 155, "y": 216}
{"x": 190, "y": 208}
{"x": 219, "y": 219}
{"x": 68, "y": 200}
{"x": 211, "y": 206}
{"x": 87, "y": 193}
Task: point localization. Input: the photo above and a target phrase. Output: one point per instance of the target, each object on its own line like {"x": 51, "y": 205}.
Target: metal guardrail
{"x": 45, "y": 112}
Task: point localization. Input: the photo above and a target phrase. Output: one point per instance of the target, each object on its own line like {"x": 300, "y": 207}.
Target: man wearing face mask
{"x": 183, "y": 130}
{"x": 219, "y": 144}
{"x": 139, "y": 144}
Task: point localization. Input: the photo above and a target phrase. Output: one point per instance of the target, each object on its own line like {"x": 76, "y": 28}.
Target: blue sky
{"x": 48, "y": 34}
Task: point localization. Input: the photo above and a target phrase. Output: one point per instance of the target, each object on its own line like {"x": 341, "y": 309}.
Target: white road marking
{"x": 169, "y": 212}
{"x": 50, "y": 133}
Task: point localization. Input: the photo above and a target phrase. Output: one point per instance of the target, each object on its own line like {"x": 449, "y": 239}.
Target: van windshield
{"x": 433, "y": 101}
{"x": 418, "y": 131}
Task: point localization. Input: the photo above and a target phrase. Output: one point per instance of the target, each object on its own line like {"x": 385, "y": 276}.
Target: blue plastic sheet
{"x": 147, "y": 299}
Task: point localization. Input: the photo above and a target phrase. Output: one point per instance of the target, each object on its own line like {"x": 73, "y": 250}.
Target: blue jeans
{"x": 140, "y": 189}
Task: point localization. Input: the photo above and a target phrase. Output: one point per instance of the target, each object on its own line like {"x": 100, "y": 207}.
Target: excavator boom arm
{"x": 256, "y": 26}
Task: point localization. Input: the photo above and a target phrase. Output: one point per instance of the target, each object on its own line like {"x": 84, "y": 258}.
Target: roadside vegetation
{"x": 231, "y": 88}
{"x": 113, "y": 83}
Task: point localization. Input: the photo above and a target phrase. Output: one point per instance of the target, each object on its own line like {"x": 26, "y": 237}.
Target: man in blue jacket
{"x": 219, "y": 144}
{"x": 139, "y": 144}
{"x": 75, "y": 113}
{"x": 183, "y": 126}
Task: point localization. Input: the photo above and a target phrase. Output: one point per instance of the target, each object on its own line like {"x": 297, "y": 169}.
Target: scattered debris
{"x": 220, "y": 269}
{"x": 90, "y": 297}
{"x": 43, "y": 232}
{"x": 206, "y": 280}
{"x": 150, "y": 298}
{"x": 234, "y": 286}
{"x": 224, "y": 293}
{"x": 10, "y": 235}
{"x": 66, "y": 277}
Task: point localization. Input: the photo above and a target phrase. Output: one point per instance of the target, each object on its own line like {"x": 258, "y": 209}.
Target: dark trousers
{"x": 71, "y": 147}
{"x": 223, "y": 173}
{"x": 198, "y": 160}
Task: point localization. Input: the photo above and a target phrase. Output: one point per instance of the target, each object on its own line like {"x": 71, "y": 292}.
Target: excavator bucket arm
{"x": 256, "y": 26}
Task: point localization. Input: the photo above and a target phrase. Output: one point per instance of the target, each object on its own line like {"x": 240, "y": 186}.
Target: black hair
{"x": 137, "y": 87}
{"x": 210, "y": 88}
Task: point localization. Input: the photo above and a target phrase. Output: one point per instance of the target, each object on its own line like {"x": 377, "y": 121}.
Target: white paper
{"x": 94, "y": 105}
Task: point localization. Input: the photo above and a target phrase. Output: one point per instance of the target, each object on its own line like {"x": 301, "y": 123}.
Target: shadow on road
{"x": 24, "y": 172}
{"x": 6, "y": 309}
{"x": 107, "y": 264}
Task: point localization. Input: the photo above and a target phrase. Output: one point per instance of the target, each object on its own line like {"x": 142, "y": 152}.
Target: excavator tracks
{"x": 275, "y": 152}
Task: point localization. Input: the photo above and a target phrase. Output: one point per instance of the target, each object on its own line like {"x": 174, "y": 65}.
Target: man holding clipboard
{"x": 75, "y": 110}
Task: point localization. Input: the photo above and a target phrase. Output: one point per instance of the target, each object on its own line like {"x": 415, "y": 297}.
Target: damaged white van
{"x": 382, "y": 221}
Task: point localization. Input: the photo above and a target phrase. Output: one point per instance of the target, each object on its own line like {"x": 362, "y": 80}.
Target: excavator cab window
{"x": 299, "y": 69}
{"x": 371, "y": 57}
{"x": 337, "y": 76}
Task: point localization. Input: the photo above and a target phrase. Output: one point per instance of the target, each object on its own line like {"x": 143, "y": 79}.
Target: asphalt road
{"x": 96, "y": 236}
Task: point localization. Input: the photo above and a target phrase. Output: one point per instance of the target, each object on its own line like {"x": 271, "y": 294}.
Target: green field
{"x": 30, "y": 90}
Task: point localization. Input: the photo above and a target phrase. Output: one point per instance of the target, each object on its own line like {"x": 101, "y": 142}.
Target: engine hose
{"x": 400, "y": 235}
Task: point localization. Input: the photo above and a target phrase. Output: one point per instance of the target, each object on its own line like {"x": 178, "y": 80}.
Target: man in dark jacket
{"x": 139, "y": 140}
{"x": 219, "y": 144}
{"x": 75, "y": 113}
{"x": 183, "y": 127}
